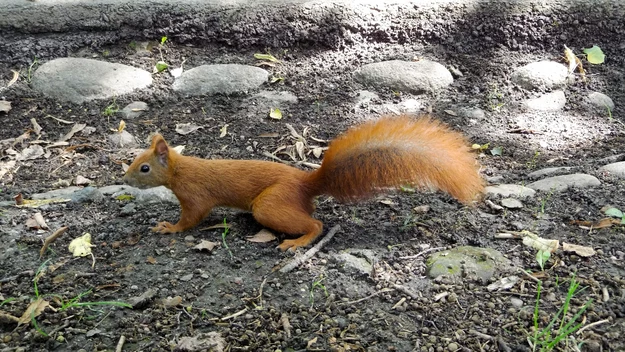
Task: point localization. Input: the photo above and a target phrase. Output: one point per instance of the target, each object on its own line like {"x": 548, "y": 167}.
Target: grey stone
{"x": 150, "y": 195}
{"x": 553, "y": 101}
{"x": 128, "y": 209}
{"x": 462, "y": 261}
{"x": 220, "y": 79}
{"x": 548, "y": 171}
{"x": 511, "y": 203}
{"x": 365, "y": 96}
{"x": 406, "y": 76}
{"x": 354, "y": 263}
{"x": 57, "y": 193}
{"x": 123, "y": 139}
{"x": 134, "y": 110}
{"x": 108, "y": 190}
{"x": 472, "y": 113}
{"x": 601, "y": 101}
{"x": 616, "y": 169}
{"x": 87, "y": 195}
{"x": 277, "y": 97}
{"x": 510, "y": 190}
{"x": 563, "y": 182}
{"x": 541, "y": 75}
{"x": 79, "y": 80}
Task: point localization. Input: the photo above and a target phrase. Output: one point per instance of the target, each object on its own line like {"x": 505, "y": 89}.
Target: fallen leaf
{"x": 299, "y": 147}
{"x": 36, "y": 127}
{"x": 37, "y": 222}
{"x": 32, "y": 152}
{"x": 450, "y": 112}
{"x": 82, "y": 181}
{"x": 269, "y": 135}
{"x": 186, "y": 128}
{"x": 81, "y": 246}
{"x": 262, "y": 236}
{"x": 208, "y": 245}
{"x": 615, "y": 212}
{"x": 210, "y": 341}
{"x": 539, "y": 243}
{"x": 176, "y": 72}
{"x": 577, "y": 249}
{"x": 34, "y": 310}
{"x": 5, "y": 106}
{"x": 275, "y": 114}
{"x": 594, "y": 55}
{"x": 421, "y": 209}
{"x": 170, "y": 302}
{"x": 16, "y": 75}
{"x": 178, "y": 148}
{"x": 6, "y": 318}
{"x": 75, "y": 129}
{"x": 267, "y": 57}
{"x": 317, "y": 152}
{"x": 503, "y": 283}
{"x": 5, "y": 167}
{"x": 223, "y": 131}
{"x": 151, "y": 260}
{"x": 121, "y": 126}
{"x": 311, "y": 342}
{"x": 36, "y": 203}
{"x": 143, "y": 300}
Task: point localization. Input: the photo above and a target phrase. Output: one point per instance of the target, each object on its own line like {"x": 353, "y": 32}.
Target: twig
{"x": 591, "y": 325}
{"x": 11, "y": 278}
{"x": 405, "y": 290}
{"x": 481, "y": 335}
{"x": 51, "y": 239}
{"x": 311, "y": 252}
{"x": 286, "y": 325}
{"x": 235, "y": 314}
{"x": 422, "y": 253}
{"x": 527, "y": 274}
{"x": 368, "y": 297}
{"x": 120, "y": 343}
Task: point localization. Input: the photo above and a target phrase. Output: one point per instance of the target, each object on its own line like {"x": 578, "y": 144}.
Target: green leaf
{"x": 497, "y": 151}
{"x": 275, "y": 114}
{"x": 161, "y": 66}
{"x": 594, "y": 55}
{"x": 163, "y": 40}
{"x": 614, "y": 212}
{"x": 542, "y": 257}
{"x": 267, "y": 57}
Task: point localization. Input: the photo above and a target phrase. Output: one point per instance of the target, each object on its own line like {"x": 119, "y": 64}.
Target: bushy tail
{"x": 398, "y": 151}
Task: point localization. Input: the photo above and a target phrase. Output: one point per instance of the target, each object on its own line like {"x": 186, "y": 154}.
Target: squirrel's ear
{"x": 161, "y": 150}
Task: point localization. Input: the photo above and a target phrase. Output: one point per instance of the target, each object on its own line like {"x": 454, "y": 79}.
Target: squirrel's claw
{"x": 164, "y": 227}
{"x": 290, "y": 245}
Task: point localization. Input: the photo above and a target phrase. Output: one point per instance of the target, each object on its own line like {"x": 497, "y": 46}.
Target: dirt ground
{"x": 321, "y": 300}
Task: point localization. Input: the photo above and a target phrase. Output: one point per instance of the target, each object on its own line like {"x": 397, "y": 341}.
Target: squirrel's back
{"x": 398, "y": 151}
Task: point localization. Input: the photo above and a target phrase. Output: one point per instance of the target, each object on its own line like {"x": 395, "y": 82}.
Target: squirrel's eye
{"x": 145, "y": 168}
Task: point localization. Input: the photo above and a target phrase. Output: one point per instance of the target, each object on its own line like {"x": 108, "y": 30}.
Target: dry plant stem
{"x": 406, "y": 291}
{"x": 23, "y": 273}
{"x": 120, "y": 343}
{"x": 311, "y": 252}
{"x": 368, "y": 297}
{"x": 286, "y": 325}
{"x": 481, "y": 335}
{"x": 235, "y": 314}
{"x": 591, "y": 325}
{"x": 51, "y": 239}
{"x": 422, "y": 253}
{"x": 528, "y": 275}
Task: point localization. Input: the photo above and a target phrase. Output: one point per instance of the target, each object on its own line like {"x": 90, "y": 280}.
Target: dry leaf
{"x": 170, "y": 302}
{"x": 311, "y": 342}
{"x": 539, "y": 243}
{"x": 5, "y": 167}
{"x": 275, "y": 114}
{"x": 299, "y": 147}
{"x": 387, "y": 202}
{"x": 579, "y": 250}
{"x": 269, "y": 135}
{"x": 32, "y": 152}
{"x": 143, "y": 300}
{"x": 223, "y": 131}
{"x": 421, "y": 209}
{"x": 6, "y": 318}
{"x": 317, "y": 152}
{"x": 81, "y": 246}
{"x": 151, "y": 260}
{"x": 34, "y": 310}
{"x": 76, "y": 128}
{"x": 503, "y": 283}
{"x": 82, "y": 181}
{"x": 186, "y": 128}
{"x": 16, "y": 75}
{"x": 37, "y": 222}
{"x": 208, "y": 245}
{"x": 36, "y": 203}
{"x": 122, "y": 126}
{"x": 451, "y": 112}
{"x": 36, "y": 127}
{"x": 263, "y": 236}
{"x": 210, "y": 341}
{"x": 5, "y": 106}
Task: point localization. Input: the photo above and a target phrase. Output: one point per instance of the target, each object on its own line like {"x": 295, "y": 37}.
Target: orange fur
{"x": 367, "y": 159}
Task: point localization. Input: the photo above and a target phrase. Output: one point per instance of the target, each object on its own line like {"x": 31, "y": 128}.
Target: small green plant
{"x": 317, "y": 283}
{"x": 75, "y": 302}
{"x": 616, "y": 213}
{"x": 495, "y": 99}
{"x": 531, "y": 164}
{"x": 162, "y": 64}
{"x": 111, "y": 109}
{"x": 29, "y": 77}
{"x": 542, "y": 257}
{"x": 133, "y": 45}
{"x": 106, "y": 53}
{"x": 546, "y": 339}
{"x": 11, "y": 299}
{"x": 223, "y": 238}
{"x": 543, "y": 201}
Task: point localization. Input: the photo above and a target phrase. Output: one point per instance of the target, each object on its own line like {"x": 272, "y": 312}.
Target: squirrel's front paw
{"x": 164, "y": 227}
{"x": 289, "y": 245}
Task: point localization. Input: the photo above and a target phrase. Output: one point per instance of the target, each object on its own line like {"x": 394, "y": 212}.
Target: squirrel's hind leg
{"x": 272, "y": 210}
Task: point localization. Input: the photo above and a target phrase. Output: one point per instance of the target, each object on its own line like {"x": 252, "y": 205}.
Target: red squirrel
{"x": 367, "y": 159}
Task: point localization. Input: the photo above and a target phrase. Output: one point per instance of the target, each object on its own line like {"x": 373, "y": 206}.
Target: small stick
{"x": 50, "y": 239}
{"x": 368, "y": 297}
{"x": 527, "y": 274}
{"x": 480, "y": 335}
{"x": 405, "y": 290}
{"x": 120, "y": 344}
{"x": 422, "y": 253}
{"x": 591, "y": 325}
{"x": 235, "y": 314}
{"x": 311, "y": 252}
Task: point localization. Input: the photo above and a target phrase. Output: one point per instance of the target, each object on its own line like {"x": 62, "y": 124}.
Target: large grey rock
{"x": 548, "y": 171}
{"x": 561, "y": 183}
{"x": 601, "y": 101}
{"x": 616, "y": 169}
{"x": 220, "y": 79}
{"x": 541, "y": 75}
{"x": 406, "y": 76}
{"x": 553, "y": 101}
{"x": 65, "y": 193}
{"x": 79, "y": 80}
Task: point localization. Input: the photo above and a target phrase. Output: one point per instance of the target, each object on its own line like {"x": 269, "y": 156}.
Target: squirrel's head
{"x": 150, "y": 168}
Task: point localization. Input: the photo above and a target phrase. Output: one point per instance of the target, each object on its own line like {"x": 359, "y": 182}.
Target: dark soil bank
{"x": 378, "y": 299}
